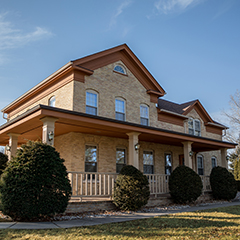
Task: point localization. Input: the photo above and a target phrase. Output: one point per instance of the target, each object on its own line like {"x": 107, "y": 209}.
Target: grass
{"x": 218, "y": 223}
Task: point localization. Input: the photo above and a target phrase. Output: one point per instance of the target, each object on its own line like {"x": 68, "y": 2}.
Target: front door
{"x": 181, "y": 160}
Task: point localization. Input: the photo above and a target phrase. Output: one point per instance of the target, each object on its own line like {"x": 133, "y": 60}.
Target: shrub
{"x": 238, "y": 184}
{"x": 3, "y": 162}
{"x": 223, "y": 183}
{"x": 131, "y": 190}
{"x": 185, "y": 185}
{"x": 35, "y": 183}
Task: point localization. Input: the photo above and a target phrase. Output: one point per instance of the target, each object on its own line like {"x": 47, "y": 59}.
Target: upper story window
{"x": 120, "y": 159}
{"x": 200, "y": 166}
{"x": 91, "y": 102}
{"x": 148, "y": 165}
{"x": 144, "y": 114}
{"x": 52, "y": 101}
{"x": 120, "y": 69}
{"x": 120, "y": 109}
{"x": 214, "y": 162}
{"x": 194, "y": 127}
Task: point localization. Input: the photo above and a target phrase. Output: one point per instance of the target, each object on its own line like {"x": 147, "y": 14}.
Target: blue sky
{"x": 191, "y": 47}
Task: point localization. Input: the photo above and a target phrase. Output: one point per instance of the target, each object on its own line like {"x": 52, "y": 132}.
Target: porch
{"x": 94, "y": 186}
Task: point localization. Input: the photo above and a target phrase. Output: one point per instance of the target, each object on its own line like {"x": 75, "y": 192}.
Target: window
{"x": 148, "y": 167}
{"x": 194, "y": 127}
{"x": 120, "y": 159}
{"x": 90, "y": 158}
{"x": 91, "y": 102}
{"x": 200, "y": 165}
{"x": 214, "y": 162}
{"x": 120, "y": 109}
{"x": 52, "y": 101}
{"x": 168, "y": 163}
{"x": 144, "y": 114}
{"x": 119, "y": 69}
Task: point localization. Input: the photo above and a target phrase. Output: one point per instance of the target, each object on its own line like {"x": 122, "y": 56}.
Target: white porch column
{"x": 187, "y": 148}
{"x": 13, "y": 144}
{"x": 223, "y": 158}
{"x": 48, "y": 127}
{"x": 133, "y": 157}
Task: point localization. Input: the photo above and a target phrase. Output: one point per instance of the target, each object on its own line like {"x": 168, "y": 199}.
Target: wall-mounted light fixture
{"x": 50, "y": 136}
{"x": 8, "y": 148}
{"x": 191, "y": 153}
{"x": 137, "y": 146}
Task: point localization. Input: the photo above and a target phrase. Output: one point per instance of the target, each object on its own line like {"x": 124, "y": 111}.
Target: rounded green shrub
{"x": 131, "y": 190}
{"x": 3, "y": 162}
{"x": 185, "y": 185}
{"x": 223, "y": 184}
{"x": 35, "y": 183}
{"x": 238, "y": 184}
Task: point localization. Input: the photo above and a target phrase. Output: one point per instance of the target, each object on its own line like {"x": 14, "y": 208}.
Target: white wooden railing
{"x": 94, "y": 184}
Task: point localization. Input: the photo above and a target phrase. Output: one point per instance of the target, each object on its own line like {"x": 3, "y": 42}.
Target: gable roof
{"x": 186, "y": 108}
{"x": 77, "y": 69}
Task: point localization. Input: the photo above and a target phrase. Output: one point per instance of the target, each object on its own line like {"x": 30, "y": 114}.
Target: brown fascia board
{"x": 217, "y": 125}
{"x": 126, "y": 51}
{"x": 172, "y": 113}
{"x": 42, "y": 107}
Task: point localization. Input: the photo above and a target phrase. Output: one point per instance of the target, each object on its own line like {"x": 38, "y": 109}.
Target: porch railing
{"x": 94, "y": 184}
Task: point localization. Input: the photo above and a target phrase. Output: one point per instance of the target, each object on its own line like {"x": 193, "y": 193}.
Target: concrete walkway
{"x": 96, "y": 220}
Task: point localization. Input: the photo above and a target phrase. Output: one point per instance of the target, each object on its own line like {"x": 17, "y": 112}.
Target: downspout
{"x": 6, "y": 118}
{"x": 225, "y": 132}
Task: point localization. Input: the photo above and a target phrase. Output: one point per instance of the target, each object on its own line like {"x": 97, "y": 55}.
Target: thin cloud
{"x": 119, "y": 11}
{"x": 170, "y": 6}
{"x": 11, "y": 37}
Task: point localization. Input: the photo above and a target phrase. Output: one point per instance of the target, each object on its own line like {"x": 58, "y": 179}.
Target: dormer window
{"x": 52, "y": 101}
{"x": 194, "y": 127}
{"x": 120, "y": 69}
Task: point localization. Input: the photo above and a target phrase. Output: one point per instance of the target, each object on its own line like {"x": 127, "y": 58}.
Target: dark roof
{"x": 174, "y": 107}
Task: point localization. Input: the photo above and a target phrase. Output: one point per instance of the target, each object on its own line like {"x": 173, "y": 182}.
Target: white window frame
{"x": 124, "y": 114}
{"x": 199, "y": 169}
{"x": 90, "y": 106}
{"x": 215, "y": 160}
{"x": 52, "y": 101}
{"x": 118, "y": 71}
{"x": 143, "y": 117}
{"x": 194, "y": 130}
{"x": 152, "y": 165}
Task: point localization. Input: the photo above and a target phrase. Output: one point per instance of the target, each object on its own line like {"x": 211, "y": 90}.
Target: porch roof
{"x": 29, "y": 126}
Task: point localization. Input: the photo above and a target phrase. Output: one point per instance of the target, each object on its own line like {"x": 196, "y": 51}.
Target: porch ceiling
{"x": 29, "y": 126}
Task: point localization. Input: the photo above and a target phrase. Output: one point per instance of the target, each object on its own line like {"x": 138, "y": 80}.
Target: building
{"x": 106, "y": 110}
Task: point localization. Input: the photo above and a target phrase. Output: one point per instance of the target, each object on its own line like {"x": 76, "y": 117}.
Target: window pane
{"x": 120, "y": 156}
{"x": 144, "y": 121}
{"x": 144, "y": 112}
{"x": 214, "y": 162}
{"x": 197, "y": 125}
{"x": 91, "y": 154}
{"x": 90, "y": 167}
{"x": 148, "y": 169}
{"x": 120, "y": 116}
{"x": 119, "y": 106}
{"x": 200, "y": 162}
{"x": 52, "y": 101}
{"x": 91, "y": 99}
{"x": 91, "y": 110}
{"x": 168, "y": 160}
{"x": 148, "y": 158}
{"x": 119, "y": 69}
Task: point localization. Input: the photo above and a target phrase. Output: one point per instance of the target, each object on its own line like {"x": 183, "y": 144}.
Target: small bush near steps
{"x": 131, "y": 190}
{"x": 185, "y": 185}
{"x": 223, "y": 184}
{"x": 35, "y": 183}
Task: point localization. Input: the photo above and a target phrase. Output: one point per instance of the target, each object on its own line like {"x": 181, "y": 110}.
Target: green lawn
{"x": 218, "y": 223}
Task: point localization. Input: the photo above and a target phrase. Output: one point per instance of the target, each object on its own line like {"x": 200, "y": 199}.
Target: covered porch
{"x": 51, "y": 125}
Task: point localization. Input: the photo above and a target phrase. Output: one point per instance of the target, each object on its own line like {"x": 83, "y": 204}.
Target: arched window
{"x": 144, "y": 114}
{"x": 91, "y": 102}
{"x": 52, "y": 101}
{"x": 120, "y": 113}
{"x": 200, "y": 165}
{"x": 194, "y": 127}
{"x": 214, "y": 162}
{"x": 120, "y": 69}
